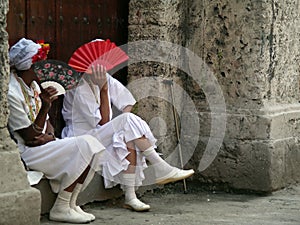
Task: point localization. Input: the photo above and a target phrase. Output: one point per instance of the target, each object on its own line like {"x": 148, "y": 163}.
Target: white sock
{"x": 74, "y": 195}
{"x": 63, "y": 200}
{"x": 61, "y": 210}
{"x": 73, "y": 200}
{"x": 128, "y": 180}
{"x": 88, "y": 178}
{"x": 161, "y": 167}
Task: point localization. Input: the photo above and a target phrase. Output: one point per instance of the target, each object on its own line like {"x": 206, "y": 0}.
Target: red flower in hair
{"x": 42, "y": 52}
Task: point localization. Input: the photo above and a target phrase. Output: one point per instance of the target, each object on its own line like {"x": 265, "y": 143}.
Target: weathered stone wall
{"x": 19, "y": 203}
{"x": 252, "y": 49}
{"x": 150, "y": 20}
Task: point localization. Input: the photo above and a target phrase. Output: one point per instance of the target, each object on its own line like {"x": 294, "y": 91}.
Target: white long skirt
{"x": 114, "y": 135}
{"x": 62, "y": 161}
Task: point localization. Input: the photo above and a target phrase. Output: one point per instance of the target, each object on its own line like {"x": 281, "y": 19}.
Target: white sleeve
{"x": 120, "y": 96}
{"x": 18, "y": 118}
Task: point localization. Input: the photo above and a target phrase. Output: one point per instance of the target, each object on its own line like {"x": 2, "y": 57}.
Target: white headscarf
{"x": 97, "y": 39}
{"x": 20, "y": 54}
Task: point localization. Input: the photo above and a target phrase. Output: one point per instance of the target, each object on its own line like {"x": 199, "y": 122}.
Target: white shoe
{"x": 89, "y": 215}
{"x": 175, "y": 175}
{"x": 67, "y": 215}
{"x": 136, "y": 205}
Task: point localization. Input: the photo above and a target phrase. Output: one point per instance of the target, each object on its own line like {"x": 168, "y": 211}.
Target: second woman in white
{"x": 127, "y": 138}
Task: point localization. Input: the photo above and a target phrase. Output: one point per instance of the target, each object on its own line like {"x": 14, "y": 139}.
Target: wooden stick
{"x": 170, "y": 82}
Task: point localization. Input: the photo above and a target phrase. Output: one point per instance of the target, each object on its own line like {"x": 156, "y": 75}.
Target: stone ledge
{"x": 20, "y": 207}
{"x": 262, "y": 166}
{"x": 269, "y": 123}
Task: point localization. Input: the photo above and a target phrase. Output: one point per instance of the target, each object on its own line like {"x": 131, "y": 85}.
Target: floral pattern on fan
{"x": 58, "y": 71}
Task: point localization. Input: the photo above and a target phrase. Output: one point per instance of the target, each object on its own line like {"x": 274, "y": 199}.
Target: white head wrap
{"x": 97, "y": 39}
{"x": 20, "y": 54}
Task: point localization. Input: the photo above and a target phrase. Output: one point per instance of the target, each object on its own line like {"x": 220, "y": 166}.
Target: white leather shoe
{"x": 136, "y": 205}
{"x": 175, "y": 175}
{"x": 89, "y": 215}
{"x": 67, "y": 215}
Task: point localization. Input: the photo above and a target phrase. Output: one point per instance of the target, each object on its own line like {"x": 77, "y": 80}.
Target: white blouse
{"x": 20, "y": 109}
{"x": 81, "y": 119}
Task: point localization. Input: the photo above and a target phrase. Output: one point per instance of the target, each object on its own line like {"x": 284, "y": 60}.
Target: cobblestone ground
{"x": 170, "y": 206}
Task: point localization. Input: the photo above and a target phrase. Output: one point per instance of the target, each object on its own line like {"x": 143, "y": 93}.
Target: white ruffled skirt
{"x": 114, "y": 135}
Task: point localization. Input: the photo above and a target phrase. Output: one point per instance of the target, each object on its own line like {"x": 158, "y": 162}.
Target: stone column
{"x": 19, "y": 203}
{"x": 155, "y": 21}
{"x": 252, "y": 49}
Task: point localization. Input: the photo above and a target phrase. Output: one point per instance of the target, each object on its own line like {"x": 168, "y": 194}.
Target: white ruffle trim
{"x": 116, "y": 153}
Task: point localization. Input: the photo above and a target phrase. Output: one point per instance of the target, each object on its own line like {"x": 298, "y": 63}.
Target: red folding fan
{"x": 101, "y": 52}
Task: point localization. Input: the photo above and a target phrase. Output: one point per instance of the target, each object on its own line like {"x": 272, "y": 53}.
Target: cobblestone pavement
{"x": 173, "y": 207}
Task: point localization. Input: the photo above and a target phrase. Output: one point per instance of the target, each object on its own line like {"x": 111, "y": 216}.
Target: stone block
{"x": 20, "y": 207}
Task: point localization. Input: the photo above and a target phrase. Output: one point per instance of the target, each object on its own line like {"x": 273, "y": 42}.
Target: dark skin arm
{"x": 34, "y": 137}
{"x": 50, "y": 128}
{"x": 104, "y": 107}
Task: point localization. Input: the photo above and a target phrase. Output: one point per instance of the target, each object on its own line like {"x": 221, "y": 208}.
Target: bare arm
{"x": 32, "y": 135}
{"x": 99, "y": 78}
{"x": 104, "y": 107}
{"x": 127, "y": 108}
{"x": 50, "y": 128}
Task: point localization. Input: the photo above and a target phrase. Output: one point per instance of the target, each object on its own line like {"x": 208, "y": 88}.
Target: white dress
{"x": 62, "y": 161}
{"x": 82, "y": 115}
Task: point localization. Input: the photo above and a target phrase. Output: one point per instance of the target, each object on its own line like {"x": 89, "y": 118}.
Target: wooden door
{"x": 66, "y": 25}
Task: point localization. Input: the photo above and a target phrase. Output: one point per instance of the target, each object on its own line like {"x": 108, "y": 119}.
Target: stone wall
{"x": 19, "y": 203}
{"x": 251, "y": 48}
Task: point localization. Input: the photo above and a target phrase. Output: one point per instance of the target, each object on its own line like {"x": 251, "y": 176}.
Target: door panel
{"x": 97, "y": 19}
{"x": 41, "y": 23}
{"x": 16, "y": 20}
{"x": 67, "y": 24}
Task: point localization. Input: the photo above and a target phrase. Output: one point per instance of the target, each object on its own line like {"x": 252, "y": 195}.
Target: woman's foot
{"x": 89, "y": 215}
{"x": 136, "y": 205}
{"x": 68, "y": 215}
{"x": 175, "y": 175}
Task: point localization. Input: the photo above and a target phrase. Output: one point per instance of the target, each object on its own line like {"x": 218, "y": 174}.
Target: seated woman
{"x": 127, "y": 138}
{"x": 68, "y": 163}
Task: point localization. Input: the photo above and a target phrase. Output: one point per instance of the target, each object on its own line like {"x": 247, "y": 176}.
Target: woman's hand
{"x": 99, "y": 76}
{"x": 48, "y": 96}
{"x": 40, "y": 140}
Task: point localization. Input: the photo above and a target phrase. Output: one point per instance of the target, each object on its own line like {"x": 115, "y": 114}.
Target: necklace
{"x": 33, "y": 108}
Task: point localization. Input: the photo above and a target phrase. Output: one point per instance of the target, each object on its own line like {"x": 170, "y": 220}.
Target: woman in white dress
{"x": 127, "y": 138}
{"x": 68, "y": 163}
